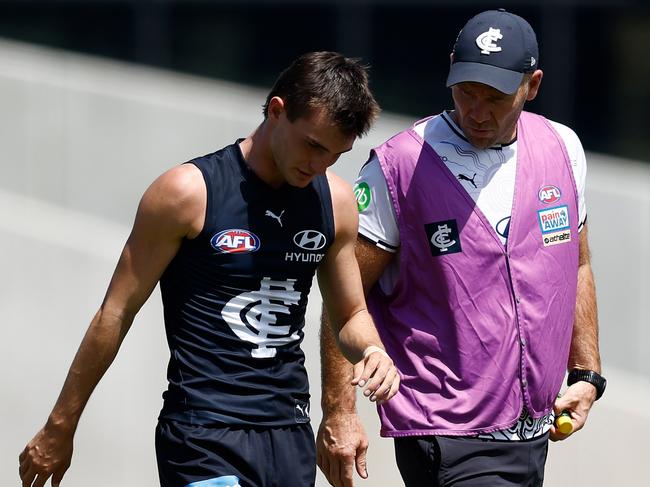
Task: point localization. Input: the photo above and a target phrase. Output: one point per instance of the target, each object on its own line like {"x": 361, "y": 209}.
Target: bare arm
{"x": 169, "y": 211}
{"x": 342, "y": 290}
{"x": 337, "y": 395}
{"x": 341, "y": 441}
{"x": 584, "y": 352}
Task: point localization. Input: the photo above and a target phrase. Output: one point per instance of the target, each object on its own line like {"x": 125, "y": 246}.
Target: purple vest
{"x": 478, "y": 331}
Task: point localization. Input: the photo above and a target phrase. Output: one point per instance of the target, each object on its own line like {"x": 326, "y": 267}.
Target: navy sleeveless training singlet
{"x": 235, "y": 298}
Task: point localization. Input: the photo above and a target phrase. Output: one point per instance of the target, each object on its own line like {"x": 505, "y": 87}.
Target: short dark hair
{"x": 329, "y": 81}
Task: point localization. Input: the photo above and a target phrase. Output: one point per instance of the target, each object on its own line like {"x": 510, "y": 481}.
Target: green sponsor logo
{"x": 362, "y": 194}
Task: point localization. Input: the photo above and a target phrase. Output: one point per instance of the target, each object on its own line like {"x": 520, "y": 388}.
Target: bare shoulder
{"x": 344, "y": 205}
{"x": 178, "y": 196}
{"x": 341, "y": 190}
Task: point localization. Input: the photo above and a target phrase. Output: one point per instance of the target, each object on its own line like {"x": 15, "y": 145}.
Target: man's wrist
{"x": 338, "y": 402}
{"x": 334, "y": 412}
{"x": 373, "y": 349}
{"x": 61, "y": 425}
{"x": 590, "y": 376}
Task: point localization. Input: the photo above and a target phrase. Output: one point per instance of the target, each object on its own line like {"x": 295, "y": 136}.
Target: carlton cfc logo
{"x": 235, "y": 241}
{"x": 549, "y": 194}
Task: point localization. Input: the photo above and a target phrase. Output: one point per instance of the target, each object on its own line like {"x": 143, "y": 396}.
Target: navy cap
{"x": 495, "y": 48}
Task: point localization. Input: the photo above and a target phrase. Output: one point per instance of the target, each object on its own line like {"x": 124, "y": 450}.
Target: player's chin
{"x": 298, "y": 184}
{"x": 301, "y": 180}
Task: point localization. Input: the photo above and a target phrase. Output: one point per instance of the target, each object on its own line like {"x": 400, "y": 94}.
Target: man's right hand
{"x": 341, "y": 443}
{"x": 48, "y": 455}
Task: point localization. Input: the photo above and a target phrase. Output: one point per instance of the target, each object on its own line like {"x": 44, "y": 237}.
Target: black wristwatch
{"x": 594, "y": 378}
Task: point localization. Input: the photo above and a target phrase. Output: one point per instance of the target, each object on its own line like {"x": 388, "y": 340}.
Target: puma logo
{"x": 462, "y": 177}
{"x": 274, "y": 216}
{"x": 303, "y": 410}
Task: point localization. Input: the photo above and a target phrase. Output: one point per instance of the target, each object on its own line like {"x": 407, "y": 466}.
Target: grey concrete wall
{"x": 80, "y": 140}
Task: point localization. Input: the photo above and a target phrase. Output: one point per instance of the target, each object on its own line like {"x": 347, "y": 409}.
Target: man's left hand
{"x": 577, "y": 401}
{"x": 378, "y": 374}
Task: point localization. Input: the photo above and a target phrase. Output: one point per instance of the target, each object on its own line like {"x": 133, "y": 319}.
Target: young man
{"x": 235, "y": 238}
{"x": 492, "y": 295}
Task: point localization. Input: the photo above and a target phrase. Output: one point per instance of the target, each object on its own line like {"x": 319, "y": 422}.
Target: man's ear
{"x": 276, "y": 107}
{"x": 534, "y": 83}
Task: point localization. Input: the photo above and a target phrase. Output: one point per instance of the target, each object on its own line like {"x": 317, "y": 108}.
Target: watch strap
{"x": 594, "y": 378}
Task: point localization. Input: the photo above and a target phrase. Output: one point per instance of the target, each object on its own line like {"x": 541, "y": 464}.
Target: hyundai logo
{"x": 309, "y": 240}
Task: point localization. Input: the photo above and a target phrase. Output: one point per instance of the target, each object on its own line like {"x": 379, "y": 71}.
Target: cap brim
{"x": 504, "y": 80}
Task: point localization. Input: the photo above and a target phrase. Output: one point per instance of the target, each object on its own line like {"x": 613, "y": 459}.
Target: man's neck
{"x": 256, "y": 150}
{"x": 454, "y": 117}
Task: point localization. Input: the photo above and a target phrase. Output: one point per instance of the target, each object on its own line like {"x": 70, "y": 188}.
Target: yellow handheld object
{"x": 563, "y": 423}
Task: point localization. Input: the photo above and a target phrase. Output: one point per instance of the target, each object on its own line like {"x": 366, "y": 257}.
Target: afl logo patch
{"x": 549, "y": 194}
{"x": 309, "y": 240}
{"x": 235, "y": 241}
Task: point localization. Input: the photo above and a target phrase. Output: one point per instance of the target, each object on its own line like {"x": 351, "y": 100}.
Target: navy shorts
{"x": 204, "y": 456}
{"x": 444, "y": 461}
